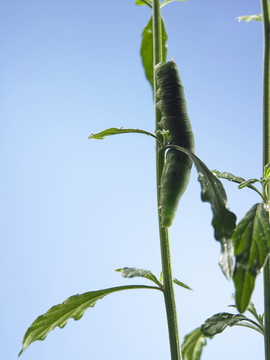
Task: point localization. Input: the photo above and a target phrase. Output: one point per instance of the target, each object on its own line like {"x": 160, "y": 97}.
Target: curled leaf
{"x": 218, "y": 322}
{"x": 128, "y": 272}
{"x": 247, "y": 183}
{"x": 228, "y": 176}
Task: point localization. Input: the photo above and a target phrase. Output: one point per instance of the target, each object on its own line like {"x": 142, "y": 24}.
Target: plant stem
{"x": 266, "y": 157}
{"x": 169, "y": 295}
{"x": 163, "y": 232}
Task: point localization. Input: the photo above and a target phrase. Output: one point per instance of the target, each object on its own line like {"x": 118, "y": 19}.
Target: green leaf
{"x": 168, "y": 1}
{"x": 247, "y": 183}
{"x": 251, "y": 308}
{"x": 144, "y": 2}
{"x": 180, "y": 283}
{"x": 251, "y": 247}
{"x": 114, "y": 131}
{"x": 237, "y": 179}
{"x": 193, "y": 345}
{"x": 212, "y": 191}
{"x": 226, "y": 261}
{"x": 128, "y": 272}
{"x": 218, "y": 322}
{"x": 74, "y": 307}
{"x": 147, "y": 50}
{"x": 248, "y": 18}
{"x": 228, "y": 176}
{"x": 266, "y": 171}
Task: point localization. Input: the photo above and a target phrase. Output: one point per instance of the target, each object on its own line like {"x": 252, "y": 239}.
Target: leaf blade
{"x": 228, "y": 176}
{"x": 193, "y": 345}
{"x": 143, "y": 2}
{"x": 116, "y": 131}
{"x": 247, "y": 183}
{"x": 219, "y": 322}
{"x": 168, "y": 1}
{"x": 147, "y": 50}
{"x": 252, "y": 245}
{"x": 248, "y": 18}
{"x": 74, "y": 307}
{"x": 180, "y": 283}
{"x": 128, "y": 272}
{"x": 223, "y": 221}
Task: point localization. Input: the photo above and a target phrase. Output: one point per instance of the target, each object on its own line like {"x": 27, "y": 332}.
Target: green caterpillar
{"x": 171, "y": 106}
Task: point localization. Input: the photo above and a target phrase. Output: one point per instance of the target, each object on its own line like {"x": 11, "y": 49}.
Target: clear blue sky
{"x": 74, "y": 210}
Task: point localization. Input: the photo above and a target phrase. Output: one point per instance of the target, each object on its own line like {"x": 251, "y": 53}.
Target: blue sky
{"x": 74, "y": 210}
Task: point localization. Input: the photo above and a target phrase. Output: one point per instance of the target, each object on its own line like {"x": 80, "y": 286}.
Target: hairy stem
{"x": 164, "y": 236}
{"x": 266, "y": 157}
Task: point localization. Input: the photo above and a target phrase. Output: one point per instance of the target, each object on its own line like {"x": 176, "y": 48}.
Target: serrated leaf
{"x": 247, "y": 183}
{"x": 218, "y": 322}
{"x": 143, "y": 2}
{"x": 223, "y": 222}
{"x": 193, "y": 345}
{"x": 168, "y": 1}
{"x": 128, "y": 272}
{"x": 251, "y": 248}
{"x": 180, "y": 283}
{"x": 74, "y": 307}
{"x": 248, "y": 18}
{"x": 147, "y": 50}
{"x": 114, "y": 131}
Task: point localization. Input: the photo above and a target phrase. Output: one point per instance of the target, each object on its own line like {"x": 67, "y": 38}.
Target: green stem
{"x": 164, "y": 236}
{"x": 169, "y": 295}
{"x": 266, "y": 157}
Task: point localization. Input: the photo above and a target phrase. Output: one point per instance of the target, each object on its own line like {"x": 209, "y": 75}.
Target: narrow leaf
{"x": 251, "y": 248}
{"x": 168, "y": 1}
{"x": 74, "y": 307}
{"x": 228, "y": 176}
{"x": 114, "y": 131}
{"x": 223, "y": 222}
{"x": 193, "y": 345}
{"x": 226, "y": 260}
{"x": 251, "y": 308}
{"x": 127, "y": 272}
{"x": 247, "y": 183}
{"x": 266, "y": 171}
{"x": 248, "y": 18}
{"x": 237, "y": 179}
{"x": 180, "y": 283}
{"x": 147, "y": 50}
{"x": 144, "y": 2}
{"x": 218, "y": 322}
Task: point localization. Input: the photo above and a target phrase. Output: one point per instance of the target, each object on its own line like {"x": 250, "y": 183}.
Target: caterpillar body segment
{"x": 171, "y": 104}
